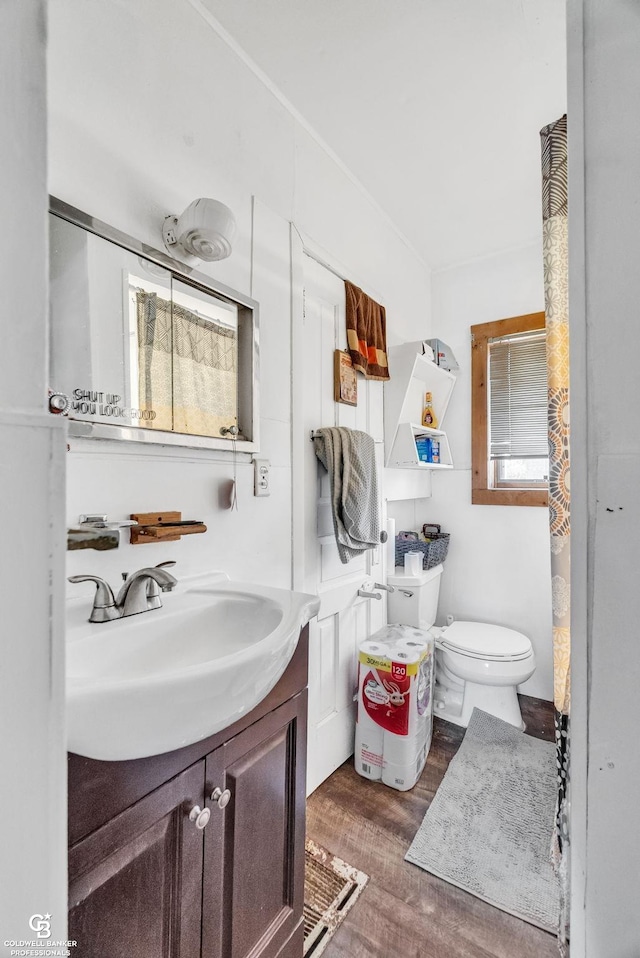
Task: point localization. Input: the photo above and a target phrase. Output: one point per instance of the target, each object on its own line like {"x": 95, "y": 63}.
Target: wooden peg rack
{"x": 162, "y": 527}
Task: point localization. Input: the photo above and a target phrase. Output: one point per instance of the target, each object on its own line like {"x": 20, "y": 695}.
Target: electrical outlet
{"x": 261, "y": 477}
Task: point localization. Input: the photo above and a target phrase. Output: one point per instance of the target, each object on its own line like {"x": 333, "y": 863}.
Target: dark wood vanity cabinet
{"x": 254, "y": 853}
{"x": 135, "y": 884}
{"x": 146, "y": 882}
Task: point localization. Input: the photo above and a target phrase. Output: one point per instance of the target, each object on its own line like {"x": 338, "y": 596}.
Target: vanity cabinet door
{"x": 136, "y": 882}
{"x": 254, "y": 845}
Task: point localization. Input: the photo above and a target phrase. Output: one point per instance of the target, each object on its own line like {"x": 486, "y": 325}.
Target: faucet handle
{"x": 104, "y": 595}
{"x": 104, "y": 603}
{"x": 168, "y": 586}
{"x": 153, "y": 589}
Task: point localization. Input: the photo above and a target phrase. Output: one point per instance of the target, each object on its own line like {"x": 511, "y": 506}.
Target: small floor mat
{"x": 331, "y": 888}
{"x": 489, "y": 828}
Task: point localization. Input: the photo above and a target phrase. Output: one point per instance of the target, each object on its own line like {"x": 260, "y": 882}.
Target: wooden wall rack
{"x": 162, "y": 527}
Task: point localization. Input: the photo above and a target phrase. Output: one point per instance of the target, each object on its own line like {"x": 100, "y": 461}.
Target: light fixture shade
{"x": 205, "y": 230}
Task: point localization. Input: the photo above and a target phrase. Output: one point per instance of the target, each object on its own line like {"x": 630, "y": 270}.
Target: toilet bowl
{"x": 478, "y": 665}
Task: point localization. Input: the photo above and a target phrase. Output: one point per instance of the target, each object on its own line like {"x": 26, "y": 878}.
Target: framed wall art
{"x": 345, "y": 383}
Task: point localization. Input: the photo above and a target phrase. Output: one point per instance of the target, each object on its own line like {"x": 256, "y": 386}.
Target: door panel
{"x": 325, "y": 662}
{"x": 344, "y": 618}
{"x": 254, "y": 847}
{"x": 135, "y": 883}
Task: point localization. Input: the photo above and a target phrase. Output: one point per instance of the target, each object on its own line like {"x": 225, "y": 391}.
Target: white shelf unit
{"x": 412, "y": 375}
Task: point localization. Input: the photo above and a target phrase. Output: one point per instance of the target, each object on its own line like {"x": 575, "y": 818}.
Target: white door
{"x": 344, "y": 617}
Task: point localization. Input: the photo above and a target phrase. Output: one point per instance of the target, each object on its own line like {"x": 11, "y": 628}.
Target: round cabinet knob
{"x": 222, "y": 798}
{"x": 200, "y": 816}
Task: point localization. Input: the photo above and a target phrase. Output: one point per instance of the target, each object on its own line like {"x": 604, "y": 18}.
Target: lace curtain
{"x": 187, "y": 368}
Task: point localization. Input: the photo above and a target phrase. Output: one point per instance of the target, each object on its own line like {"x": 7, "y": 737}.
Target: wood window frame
{"x": 482, "y": 493}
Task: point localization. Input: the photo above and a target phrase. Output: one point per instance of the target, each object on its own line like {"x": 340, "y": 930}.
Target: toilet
{"x": 478, "y": 665}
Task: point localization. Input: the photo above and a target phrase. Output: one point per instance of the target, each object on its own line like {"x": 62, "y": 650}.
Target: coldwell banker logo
{"x": 41, "y": 924}
{"x": 42, "y": 946}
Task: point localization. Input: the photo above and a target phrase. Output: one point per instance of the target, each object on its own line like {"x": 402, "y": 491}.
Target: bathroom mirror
{"x": 142, "y": 346}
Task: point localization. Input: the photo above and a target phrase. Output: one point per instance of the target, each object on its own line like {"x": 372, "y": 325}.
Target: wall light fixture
{"x": 204, "y": 231}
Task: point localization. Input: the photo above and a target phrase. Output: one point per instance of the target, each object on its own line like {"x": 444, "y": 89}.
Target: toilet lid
{"x": 483, "y": 641}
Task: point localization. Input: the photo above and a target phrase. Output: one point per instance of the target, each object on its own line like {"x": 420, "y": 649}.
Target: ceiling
{"x": 434, "y": 105}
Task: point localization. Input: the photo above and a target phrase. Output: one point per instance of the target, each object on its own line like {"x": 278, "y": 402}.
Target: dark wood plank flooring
{"x": 405, "y": 912}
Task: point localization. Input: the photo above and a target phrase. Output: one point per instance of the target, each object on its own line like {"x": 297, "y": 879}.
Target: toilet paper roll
{"x": 406, "y": 656}
{"x": 402, "y": 749}
{"x": 412, "y": 563}
{"x": 367, "y": 753}
{"x": 369, "y": 736}
{"x": 378, "y": 649}
{"x": 415, "y": 643}
{"x": 402, "y": 777}
{"x": 405, "y": 749}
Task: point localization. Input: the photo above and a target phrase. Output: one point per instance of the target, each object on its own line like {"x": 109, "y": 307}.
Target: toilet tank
{"x": 414, "y": 600}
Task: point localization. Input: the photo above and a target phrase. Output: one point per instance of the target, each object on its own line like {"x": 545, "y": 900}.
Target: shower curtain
{"x": 556, "y": 276}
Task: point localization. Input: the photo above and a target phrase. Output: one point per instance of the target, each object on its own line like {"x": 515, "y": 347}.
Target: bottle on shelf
{"x": 428, "y": 415}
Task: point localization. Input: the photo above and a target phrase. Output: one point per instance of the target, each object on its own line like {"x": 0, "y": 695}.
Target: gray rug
{"x": 489, "y": 828}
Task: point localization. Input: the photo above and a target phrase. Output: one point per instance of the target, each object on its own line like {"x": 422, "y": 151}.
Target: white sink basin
{"x": 157, "y": 681}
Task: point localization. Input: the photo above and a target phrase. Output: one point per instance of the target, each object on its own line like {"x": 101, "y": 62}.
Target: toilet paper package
{"x": 395, "y": 688}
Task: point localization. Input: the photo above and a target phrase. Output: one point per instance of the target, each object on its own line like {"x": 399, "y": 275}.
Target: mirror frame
{"x": 248, "y": 347}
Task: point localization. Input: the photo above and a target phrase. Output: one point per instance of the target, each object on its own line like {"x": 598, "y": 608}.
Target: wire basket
{"x": 434, "y": 551}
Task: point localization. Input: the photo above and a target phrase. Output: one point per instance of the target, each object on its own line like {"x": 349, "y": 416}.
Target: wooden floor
{"x": 405, "y": 912}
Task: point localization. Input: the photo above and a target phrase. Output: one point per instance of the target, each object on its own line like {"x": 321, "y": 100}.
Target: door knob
{"x": 221, "y": 797}
{"x": 200, "y": 816}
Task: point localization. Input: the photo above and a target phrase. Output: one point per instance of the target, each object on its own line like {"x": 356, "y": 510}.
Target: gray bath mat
{"x": 489, "y": 828}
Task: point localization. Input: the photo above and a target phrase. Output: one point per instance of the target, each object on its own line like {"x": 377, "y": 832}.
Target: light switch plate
{"x": 261, "y": 477}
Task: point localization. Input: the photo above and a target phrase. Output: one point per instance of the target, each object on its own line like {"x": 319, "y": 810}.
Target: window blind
{"x": 518, "y": 396}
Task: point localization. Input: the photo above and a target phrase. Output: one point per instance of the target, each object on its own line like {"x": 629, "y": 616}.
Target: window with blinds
{"x": 509, "y": 445}
{"x": 518, "y": 398}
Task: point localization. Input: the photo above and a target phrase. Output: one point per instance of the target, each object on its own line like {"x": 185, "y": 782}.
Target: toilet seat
{"x": 480, "y": 640}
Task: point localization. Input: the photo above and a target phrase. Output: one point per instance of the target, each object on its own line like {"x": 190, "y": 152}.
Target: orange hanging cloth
{"x": 366, "y": 333}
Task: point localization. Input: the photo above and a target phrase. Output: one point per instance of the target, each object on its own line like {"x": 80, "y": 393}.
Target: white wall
{"x": 150, "y": 108}
{"x": 604, "y": 245}
{"x": 498, "y": 567}
{"x": 32, "y": 744}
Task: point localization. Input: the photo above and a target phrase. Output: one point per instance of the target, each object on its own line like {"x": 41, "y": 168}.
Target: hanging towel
{"x": 349, "y": 457}
{"x": 366, "y": 333}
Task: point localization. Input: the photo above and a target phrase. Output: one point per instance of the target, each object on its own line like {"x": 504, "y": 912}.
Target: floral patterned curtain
{"x": 556, "y": 278}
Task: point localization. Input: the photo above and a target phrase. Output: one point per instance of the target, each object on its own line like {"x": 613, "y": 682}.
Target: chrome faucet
{"x": 139, "y": 593}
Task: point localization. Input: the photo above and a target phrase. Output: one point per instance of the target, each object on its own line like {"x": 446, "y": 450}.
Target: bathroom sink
{"x": 157, "y": 681}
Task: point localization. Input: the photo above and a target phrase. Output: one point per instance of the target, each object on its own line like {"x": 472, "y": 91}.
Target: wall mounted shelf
{"x": 412, "y": 375}
{"x": 162, "y": 527}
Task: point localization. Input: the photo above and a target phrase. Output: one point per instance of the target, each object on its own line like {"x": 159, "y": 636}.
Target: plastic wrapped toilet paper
{"x": 395, "y": 678}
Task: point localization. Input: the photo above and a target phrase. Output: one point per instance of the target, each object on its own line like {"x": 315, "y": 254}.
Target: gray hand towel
{"x": 349, "y": 457}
